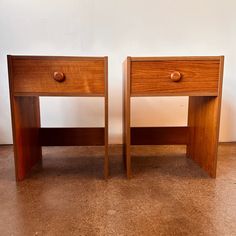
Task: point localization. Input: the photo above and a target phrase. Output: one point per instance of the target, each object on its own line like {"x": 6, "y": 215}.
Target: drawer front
{"x": 58, "y": 76}
{"x": 177, "y": 77}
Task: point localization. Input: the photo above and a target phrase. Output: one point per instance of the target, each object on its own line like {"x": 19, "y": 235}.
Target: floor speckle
{"x": 168, "y": 194}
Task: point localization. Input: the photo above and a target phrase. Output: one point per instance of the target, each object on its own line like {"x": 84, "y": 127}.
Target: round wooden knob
{"x": 175, "y": 76}
{"x": 59, "y": 76}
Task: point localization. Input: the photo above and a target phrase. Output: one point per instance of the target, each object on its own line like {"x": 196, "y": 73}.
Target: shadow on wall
{"x": 227, "y": 131}
{"x": 5, "y": 125}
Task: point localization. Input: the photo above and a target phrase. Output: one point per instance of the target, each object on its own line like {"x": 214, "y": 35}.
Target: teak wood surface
{"x": 34, "y": 76}
{"x": 153, "y": 78}
{"x": 201, "y": 79}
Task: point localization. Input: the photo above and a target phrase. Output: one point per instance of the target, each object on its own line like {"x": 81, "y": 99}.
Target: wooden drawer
{"x": 190, "y": 76}
{"x": 41, "y": 75}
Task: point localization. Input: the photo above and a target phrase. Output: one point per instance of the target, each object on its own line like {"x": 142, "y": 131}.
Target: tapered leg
{"x": 203, "y": 122}
{"x": 26, "y": 125}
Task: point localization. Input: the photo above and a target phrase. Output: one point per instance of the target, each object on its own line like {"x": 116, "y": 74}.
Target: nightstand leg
{"x": 126, "y": 142}
{"x": 126, "y": 117}
{"x": 126, "y": 137}
{"x": 127, "y": 156}
{"x": 106, "y": 157}
{"x": 203, "y": 122}
{"x": 106, "y": 134}
{"x": 26, "y": 125}
{"x": 128, "y": 161}
{"x": 106, "y": 163}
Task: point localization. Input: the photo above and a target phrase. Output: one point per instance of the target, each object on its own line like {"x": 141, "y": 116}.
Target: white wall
{"x": 118, "y": 29}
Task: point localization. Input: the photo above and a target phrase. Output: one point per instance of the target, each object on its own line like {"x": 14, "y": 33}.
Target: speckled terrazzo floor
{"x": 169, "y": 194}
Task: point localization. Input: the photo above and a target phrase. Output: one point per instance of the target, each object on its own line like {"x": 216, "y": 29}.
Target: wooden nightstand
{"x": 200, "y": 78}
{"x": 34, "y": 76}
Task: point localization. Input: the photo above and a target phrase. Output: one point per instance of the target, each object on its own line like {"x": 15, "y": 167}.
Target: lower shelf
{"x": 72, "y": 136}
{"x": 159, "y": 135}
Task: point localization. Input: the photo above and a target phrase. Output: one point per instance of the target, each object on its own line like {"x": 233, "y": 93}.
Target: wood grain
{"x": 153, "y": 78}
{"x": 35, "y": 76}
{"x": 159, "y": 135}
{"x": 25, "y": 114}
{"x": 204, "y": 121}
{"x": 26, "y": 124}
{"x": 178, "y": 58}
